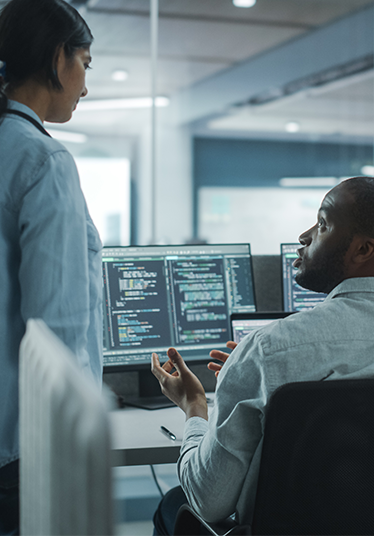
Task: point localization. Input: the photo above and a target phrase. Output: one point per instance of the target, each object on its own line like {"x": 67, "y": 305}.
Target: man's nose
{"x": 84, "y": 92}
{"x": 306, "y": 238}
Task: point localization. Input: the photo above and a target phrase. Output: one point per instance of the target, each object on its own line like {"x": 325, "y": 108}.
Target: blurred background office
{"x": 219, "y": 121}
{"x": 258, "y": 112}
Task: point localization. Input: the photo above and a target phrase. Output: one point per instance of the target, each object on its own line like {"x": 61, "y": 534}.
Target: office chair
{"x": 65, "y": 479}
{"x": 317, "y": 466}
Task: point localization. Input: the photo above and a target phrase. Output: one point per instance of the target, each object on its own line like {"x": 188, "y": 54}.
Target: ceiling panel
{"x": 173, "y": 75}
{"x": 199, "y": 39}
{"x": 306, "y": 13}
{"x": 120, "y": 34}
{"x": 180, "y": 39}
{"x": 346, "y": 111}
{"x": 218, "y": 40}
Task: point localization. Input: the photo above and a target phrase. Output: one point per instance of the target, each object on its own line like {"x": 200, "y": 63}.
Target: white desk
{"x": 137, "y": 438}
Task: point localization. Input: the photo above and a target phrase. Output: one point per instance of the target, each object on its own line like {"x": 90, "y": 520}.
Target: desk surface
{"x": 137, "y": 438}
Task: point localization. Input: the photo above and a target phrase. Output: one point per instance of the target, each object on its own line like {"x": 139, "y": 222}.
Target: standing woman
{"x": 50, "y": 251}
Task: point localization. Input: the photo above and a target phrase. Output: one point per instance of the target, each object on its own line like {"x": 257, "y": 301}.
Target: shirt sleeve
{"x": 53, "y": 273}
{"x": 216, "y": 456}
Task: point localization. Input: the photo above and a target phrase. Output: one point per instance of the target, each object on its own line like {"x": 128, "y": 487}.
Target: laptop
{"x": 244, "y": 323}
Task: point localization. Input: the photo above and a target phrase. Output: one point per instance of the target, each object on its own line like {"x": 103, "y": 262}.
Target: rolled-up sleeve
{"x": 53, "y": 274}
{"x": 216, "y": 456}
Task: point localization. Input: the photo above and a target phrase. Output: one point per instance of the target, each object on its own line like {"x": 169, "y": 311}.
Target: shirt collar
{"x": 354, "y": 284}
{"x": 14, "y": 105}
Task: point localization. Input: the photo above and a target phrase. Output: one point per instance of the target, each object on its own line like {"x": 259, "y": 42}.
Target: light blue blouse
{"x": 50, "y": 259}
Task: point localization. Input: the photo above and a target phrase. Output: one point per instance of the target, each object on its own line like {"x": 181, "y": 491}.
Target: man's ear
{"x": 364, "y": 250}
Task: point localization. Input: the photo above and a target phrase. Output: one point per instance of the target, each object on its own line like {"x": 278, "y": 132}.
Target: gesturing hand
{"x": 221, "y": 356}
{"x": 182, "y": 386}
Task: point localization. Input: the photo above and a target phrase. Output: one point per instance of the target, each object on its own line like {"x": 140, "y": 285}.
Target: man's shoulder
{"x": 340, "y": 316}
{"x": 288, "y": 331}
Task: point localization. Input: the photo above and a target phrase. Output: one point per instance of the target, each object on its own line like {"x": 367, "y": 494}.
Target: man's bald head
{"x": 361, "y": 209}
{"x": 341, "y": 244}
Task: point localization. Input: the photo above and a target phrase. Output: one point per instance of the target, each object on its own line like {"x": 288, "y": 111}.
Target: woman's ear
{"x": 59, "y": 59}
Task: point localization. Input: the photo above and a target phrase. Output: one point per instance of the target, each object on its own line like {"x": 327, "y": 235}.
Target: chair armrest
{"x": 188, "y": 523}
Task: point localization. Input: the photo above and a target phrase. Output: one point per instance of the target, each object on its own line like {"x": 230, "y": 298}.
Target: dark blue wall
{"x": 228, "y": 162}
{"x": 237, "y": 162}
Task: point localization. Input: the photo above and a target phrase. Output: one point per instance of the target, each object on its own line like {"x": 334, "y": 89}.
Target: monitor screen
{"x": 243, "y": 324}
{"x": 182, "y": 296}
{"x": 295, "y": 298}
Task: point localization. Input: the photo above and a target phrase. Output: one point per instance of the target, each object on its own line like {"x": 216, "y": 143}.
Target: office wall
{"x": 238, "y": 197}
{"x": 238, "y": 162}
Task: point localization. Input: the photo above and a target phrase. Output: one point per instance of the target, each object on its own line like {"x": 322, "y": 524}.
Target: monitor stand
{"x": 150, "y": 395}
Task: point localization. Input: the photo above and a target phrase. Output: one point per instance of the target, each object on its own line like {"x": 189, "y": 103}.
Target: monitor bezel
{"x": 281, "y": 263}
{"x": 134, "y": 367}
{"x": 282, "y": 278}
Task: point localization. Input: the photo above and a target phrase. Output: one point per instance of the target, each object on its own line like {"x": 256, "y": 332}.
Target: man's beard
{"x": 328, "y": 269}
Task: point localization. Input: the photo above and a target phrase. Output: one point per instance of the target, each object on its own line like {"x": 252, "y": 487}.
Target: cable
{"x": 156, "y": 481}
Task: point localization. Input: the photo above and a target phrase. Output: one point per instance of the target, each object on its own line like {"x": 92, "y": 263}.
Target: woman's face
{"x": 72, "y": 74}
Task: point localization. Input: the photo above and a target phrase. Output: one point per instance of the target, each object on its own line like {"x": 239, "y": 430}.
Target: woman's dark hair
{"x": 31, "y": 31}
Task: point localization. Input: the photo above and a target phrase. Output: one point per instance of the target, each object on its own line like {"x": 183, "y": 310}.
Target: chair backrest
{"x": 317, "y": 465}
{"x": 65, "y": 479}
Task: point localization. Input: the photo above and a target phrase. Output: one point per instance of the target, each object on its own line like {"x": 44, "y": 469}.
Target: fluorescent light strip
{"x": 121, "y": 104}
{"x": 368, "y": 170}
{"x": 292, "y": 126}
{"x": 244, "y": 3}
{"x": 306, "y": 182}
{"x": 120, "y": 75}
{"x": 64, "y": 135}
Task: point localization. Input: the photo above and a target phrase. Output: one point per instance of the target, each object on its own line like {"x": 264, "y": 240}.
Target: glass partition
{"x": 257, "y": 112}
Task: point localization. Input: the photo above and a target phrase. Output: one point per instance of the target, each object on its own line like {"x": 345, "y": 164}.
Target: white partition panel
{"x": 64, "y": 442}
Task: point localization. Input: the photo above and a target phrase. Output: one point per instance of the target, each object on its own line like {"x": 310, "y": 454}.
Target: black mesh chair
{"x": 317, "y": 465}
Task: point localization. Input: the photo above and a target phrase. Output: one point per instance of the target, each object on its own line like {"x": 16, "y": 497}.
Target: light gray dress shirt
{"x": 50, "y": 259}
{"x": 219, "y": 462}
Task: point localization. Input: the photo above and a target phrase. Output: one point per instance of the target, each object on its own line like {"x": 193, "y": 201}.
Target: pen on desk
{"x": 167, "y": 432}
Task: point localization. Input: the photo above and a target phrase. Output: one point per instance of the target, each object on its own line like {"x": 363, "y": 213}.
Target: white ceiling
{"x": 200, "y": 38}
{"x": 344, "y": 108}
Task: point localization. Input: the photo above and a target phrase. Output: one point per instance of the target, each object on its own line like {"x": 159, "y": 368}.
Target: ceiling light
{"x": 368, "y": 171}
{"x": 120, "y": 75}
{"x": 307, "y": 182}
{"x": 244, "y": 3}
{"x": 63, "y": 135}
{"x": 121, "y": 104}
{"x": 292, "y": 126}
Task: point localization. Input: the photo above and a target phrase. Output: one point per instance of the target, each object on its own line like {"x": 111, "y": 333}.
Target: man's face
{"x": 322, "y": 261}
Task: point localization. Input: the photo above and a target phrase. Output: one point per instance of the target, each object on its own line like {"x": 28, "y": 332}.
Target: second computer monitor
{"x": 295, "y": 298}
{"x": 182, "y": 296}
{"x": 242, "y": 324}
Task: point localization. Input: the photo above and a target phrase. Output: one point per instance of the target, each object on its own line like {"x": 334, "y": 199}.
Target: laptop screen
{"x": 243, "y": 324}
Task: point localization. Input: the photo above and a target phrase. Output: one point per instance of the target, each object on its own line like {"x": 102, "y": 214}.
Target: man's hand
{"x": 182, "y": 386}
{"x": 221, "y": 356}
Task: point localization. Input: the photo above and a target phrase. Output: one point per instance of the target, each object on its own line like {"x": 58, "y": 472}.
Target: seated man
{"x": 219, "y": 461}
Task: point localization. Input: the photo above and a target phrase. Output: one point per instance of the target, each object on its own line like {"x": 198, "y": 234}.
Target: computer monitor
{"x": 182, "y": 296}
{"x": 295, "y": 298}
